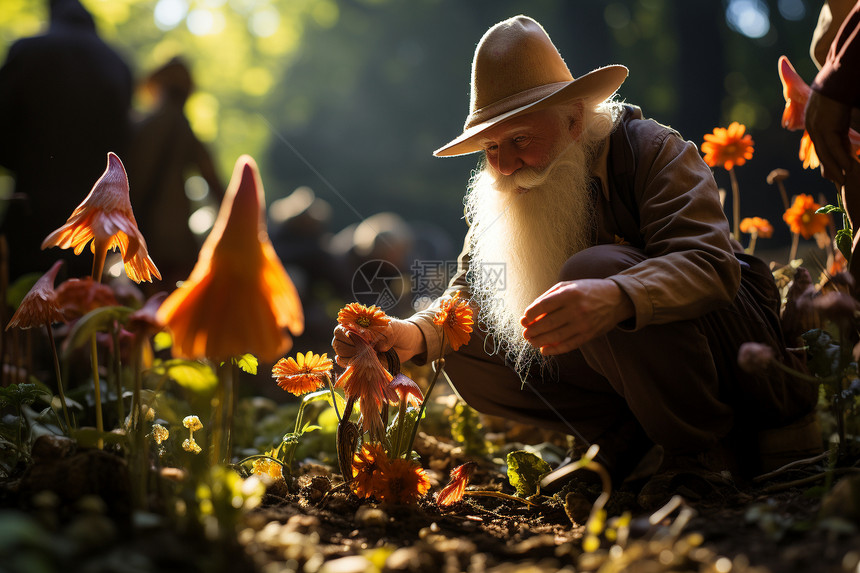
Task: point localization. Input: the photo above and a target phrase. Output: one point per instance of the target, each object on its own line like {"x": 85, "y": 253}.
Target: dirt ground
{"x": 778, "y": 524}
{"x": 804, "y": 519}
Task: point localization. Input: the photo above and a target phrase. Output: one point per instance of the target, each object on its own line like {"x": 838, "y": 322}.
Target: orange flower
{"x": 366, "y": 379}
{"x": 728, "y": 147}
{"x": 40, "y": 306}
{"x": 369, "y": 322}
{"x": 305, "y": 373}
{"x": 403, "y": 481}
{"x": 105, "y": 216}
{"x": 239, "y": 298}
{"x": 453, "y": 492}
{"x": 367, "y": 467}
{"x": 839, "y": 264}
{"x": 757, "y": 225}
{"x": 802, "y": 218}
{"x": 79, "y": 296}
{"x": 455, "y": 318}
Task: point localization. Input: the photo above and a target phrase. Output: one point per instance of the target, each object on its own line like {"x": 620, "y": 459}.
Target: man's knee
{"x": 600, "y": 261}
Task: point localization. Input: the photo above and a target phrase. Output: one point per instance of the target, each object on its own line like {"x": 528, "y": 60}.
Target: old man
{"x": 624, "y": 299}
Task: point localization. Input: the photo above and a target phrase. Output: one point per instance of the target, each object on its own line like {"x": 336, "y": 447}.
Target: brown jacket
{"x": 654, "y": 191}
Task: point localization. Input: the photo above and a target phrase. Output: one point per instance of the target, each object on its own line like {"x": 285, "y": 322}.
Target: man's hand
{"x": 403, "y": 336}
{"x": 573, "y": 312}
{"x": 827, "y": 122}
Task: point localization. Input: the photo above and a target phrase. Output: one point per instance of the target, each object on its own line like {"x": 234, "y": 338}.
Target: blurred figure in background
{"x": 164, "y": 153}
{"x": 299, "y": 230}
{"x": 378, "y": 253}
{"x": 65, "y": 96}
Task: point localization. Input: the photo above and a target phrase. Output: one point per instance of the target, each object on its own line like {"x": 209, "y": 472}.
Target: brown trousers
{"x": 677, "y": 385}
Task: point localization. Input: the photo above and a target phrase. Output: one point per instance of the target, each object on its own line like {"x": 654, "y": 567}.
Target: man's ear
{"x": 576, "y": 117}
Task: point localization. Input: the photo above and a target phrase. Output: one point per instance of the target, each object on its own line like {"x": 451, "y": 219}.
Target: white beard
{"x": 529, "y": 235}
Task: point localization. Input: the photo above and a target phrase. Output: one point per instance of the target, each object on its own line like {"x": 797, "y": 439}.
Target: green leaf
{"x": 318, "y": 396}
{"x": 525, "y": 470}
{"x": 826, "y": 209}
{"x": 18, "y": 395}
{"x": 823, "y": 354}
{"x": 409, "y": 421}
{"x": 98, "y": 320}
{"x": 310, "y": 428}
{"x": 196, "y": 376}
{"x": 466, "y": 428}
{"x": 89, "y": 437}
{"x": 248, "y": 363}
{"x": 162, "y": 341}
{"x": 844, "y": 239}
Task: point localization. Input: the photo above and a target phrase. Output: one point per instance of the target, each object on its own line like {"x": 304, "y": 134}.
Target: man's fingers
{"x": 835, "y": 160}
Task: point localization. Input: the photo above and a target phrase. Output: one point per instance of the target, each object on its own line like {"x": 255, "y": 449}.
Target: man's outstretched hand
{"x": 402, "y": 335}
{"x": 827, "y": 122}
{"x": 574, "y": 312}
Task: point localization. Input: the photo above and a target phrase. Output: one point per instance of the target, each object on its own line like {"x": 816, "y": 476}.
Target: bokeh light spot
{"x": 256, "y": 81}
{"x": 749, "y": 17}
{"x": 202, "y": 220}
{"x": 792, "y": 9}
{"x": 169, "y": 13}
{"x": 264, "y": 23}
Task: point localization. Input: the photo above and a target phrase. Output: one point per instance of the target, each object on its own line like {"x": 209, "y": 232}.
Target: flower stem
{"x": 138, "y": 385}
{"x": 59, "y": 377}
{"x": 299, "y": 416}
{"x": 784, "y": 194}
{"x": 440, "y": 364}
{"x": 751, "y": 248}
{"x": 333, "y": 397}
{"x": 94, "y": 360}
{"x": 736, "y": 204}
{"x": 500, "y": 495}
{"x": 99, "y": 256}
{"x": 792, "y": 254}
{"x": 120, "y": 406}
{"x": 398, "y": 436}
{"x": 230, "y": 385}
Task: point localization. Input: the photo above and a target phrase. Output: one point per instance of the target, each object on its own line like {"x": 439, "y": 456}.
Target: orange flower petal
{"x": 308, "y": 372}
{"x": 728, "y": 147}
{"x": 106, "y": 218}
{"x": 757, "y": 225}
{"x": 456, "y": 488}
{"x": 796, "y": 93}
{"x": 802, "y": 218}
{"x": 403, "y": 481}
{"x": 455, "y": 316}
{"x": 368, "y": 465}
{"x": 238, "y": 298}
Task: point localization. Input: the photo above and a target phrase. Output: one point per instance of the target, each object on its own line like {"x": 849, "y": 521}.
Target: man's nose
{"x": 509, "y": 161}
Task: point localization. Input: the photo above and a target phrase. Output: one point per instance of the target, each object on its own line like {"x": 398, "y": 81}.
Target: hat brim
{"x": 596, "y": 85}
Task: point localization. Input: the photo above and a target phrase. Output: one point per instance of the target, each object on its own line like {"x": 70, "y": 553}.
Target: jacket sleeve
{"x": 424, "y": 319}
{"x": 691, "y": 267}
{"x": 837, "y": 79}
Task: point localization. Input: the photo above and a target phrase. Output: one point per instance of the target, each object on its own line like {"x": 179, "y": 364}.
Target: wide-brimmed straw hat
{"x": 518, "y": 70}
